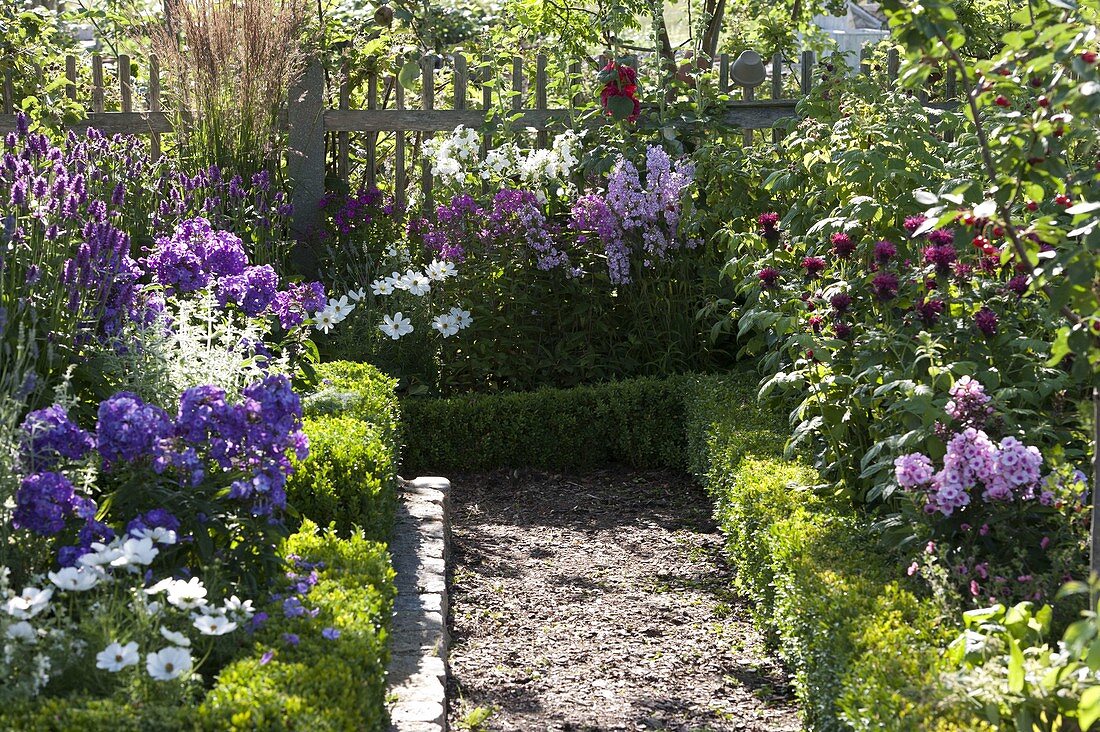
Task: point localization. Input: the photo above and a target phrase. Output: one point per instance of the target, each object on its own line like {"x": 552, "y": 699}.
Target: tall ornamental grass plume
{"x": 231, "y": 63}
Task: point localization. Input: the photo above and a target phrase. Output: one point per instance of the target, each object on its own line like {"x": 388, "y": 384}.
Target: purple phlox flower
{"x": 128, "y": 429}
{"x": 42, "y": 503}
{"x": 49, "y": 434}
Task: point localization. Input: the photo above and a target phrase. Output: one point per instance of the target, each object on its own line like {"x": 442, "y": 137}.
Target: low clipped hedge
{"x": 349, "y": 480}
{"x": 319, "y": 684}
{"x": 637, "y": 422}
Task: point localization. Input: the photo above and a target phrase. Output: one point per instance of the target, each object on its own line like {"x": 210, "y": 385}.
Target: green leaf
{"x": 1015, "y": 666}
{"x": 1088, "y": 709}
{"x": 408, "y": 74}
{"x": 621, "y": 108}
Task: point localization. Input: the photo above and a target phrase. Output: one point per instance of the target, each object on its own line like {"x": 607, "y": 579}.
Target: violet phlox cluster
{"x": 519, "y": 211}
{"x": 356, "y": 211}
{"x": 194, "y": 256}
{"x": 249, "y": 441}
{"x": 50, "y": 436}
{"x": 197, "y": 256}
{"x": 457, "y": 223}
{"x": 649, "y": 212}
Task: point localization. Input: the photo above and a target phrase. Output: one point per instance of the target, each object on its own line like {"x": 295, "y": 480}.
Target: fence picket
{"x": 576, "y": 85}
{"x": 807, "y": 68}
{"x": 487, "y": 80}
{"x": 724, "y": 74}
{"x": 517, "y": 84}
{"x": 428, "y": 101}
{"x": 461, "y": 81}
{"x": 154, "y": 102}
{"x": 70, "y": 77}
{"x": 399, "y": 147}
{"x": 893, "y": 62}
{"x": 97, "y": 84}
{"x": 125, "y": 88}
{"x": 542, "y": 138}
{"x": 372, "y": 137}
{"x": 343, "y": 139}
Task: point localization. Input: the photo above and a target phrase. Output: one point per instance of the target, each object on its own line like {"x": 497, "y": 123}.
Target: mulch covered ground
{"x": 601, "y": 603}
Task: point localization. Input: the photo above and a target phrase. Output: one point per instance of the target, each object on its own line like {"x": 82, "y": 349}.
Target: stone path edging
{"x": 417, "y": 674}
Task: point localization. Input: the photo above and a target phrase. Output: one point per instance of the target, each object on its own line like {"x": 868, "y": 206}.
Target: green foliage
{"x": 349, "y": 477}
{"x": 319, "y": 684}
{"x": 33, "y": 44}
{"x": 638, "y": 422}
{"x": 85, "y": 714}
{"x": 1032, "y": 112}
{"x": 356, "y": 390}
{"x": 1009, "y": 673}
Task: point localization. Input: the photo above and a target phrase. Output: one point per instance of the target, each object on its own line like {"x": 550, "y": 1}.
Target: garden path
{"x": 601, "y": 603}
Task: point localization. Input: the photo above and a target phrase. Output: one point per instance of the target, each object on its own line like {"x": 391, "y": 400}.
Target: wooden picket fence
{"x": 310, "y": 123}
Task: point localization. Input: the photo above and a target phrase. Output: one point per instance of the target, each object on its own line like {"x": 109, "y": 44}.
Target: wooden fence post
{"x": 306, "y": 148}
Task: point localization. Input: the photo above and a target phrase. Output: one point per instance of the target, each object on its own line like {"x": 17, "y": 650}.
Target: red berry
{"x": 1044, "y": 102}
{"x": 810, "y": 353}
{"x": 1032, "y": 206}
{"x": 1089, "y": 57}
{"x": 998, "y": 232}
{"x": 980, "y": 242}
{"x": 1062, "y": 200}
{"x": 1001, "y": 100}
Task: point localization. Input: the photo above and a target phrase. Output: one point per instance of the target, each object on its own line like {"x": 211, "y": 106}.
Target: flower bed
{"x": 157, "y": 558}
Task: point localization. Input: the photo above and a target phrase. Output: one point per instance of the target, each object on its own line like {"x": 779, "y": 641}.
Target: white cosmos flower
{"x": 462, "y": 318}
{"x": 75, "y": 579}
{"x": 101, "y": 554}
{"x": 214, "y": 624}
{"x": 324, "y": 321}
{"x": 440, "y": 270}
{"x": 401, "y": 281}
{"x": 419, "y": 284}
{"x": 237, "y": 607}
{"x": 184, "y": 595}
{"x": 396, "y": 326}
{"x": 136, "y": 553}
{"x": 340, "y": 308}
{"x": 157, "y": 534}
{"x": 28, "y": 604}
{"x": 357, "y": 294}
{"x": 445, "y": 324}
{"x": 168, "y": 663}
{"x": 116, "y": 657}
{"x": 173, "y": 637}
{"x": 382, "y": 286}
{"x": 22, "y": 631}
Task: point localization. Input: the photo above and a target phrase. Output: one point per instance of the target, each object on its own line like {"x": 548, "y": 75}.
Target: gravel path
{"x": 601, "y": 603}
